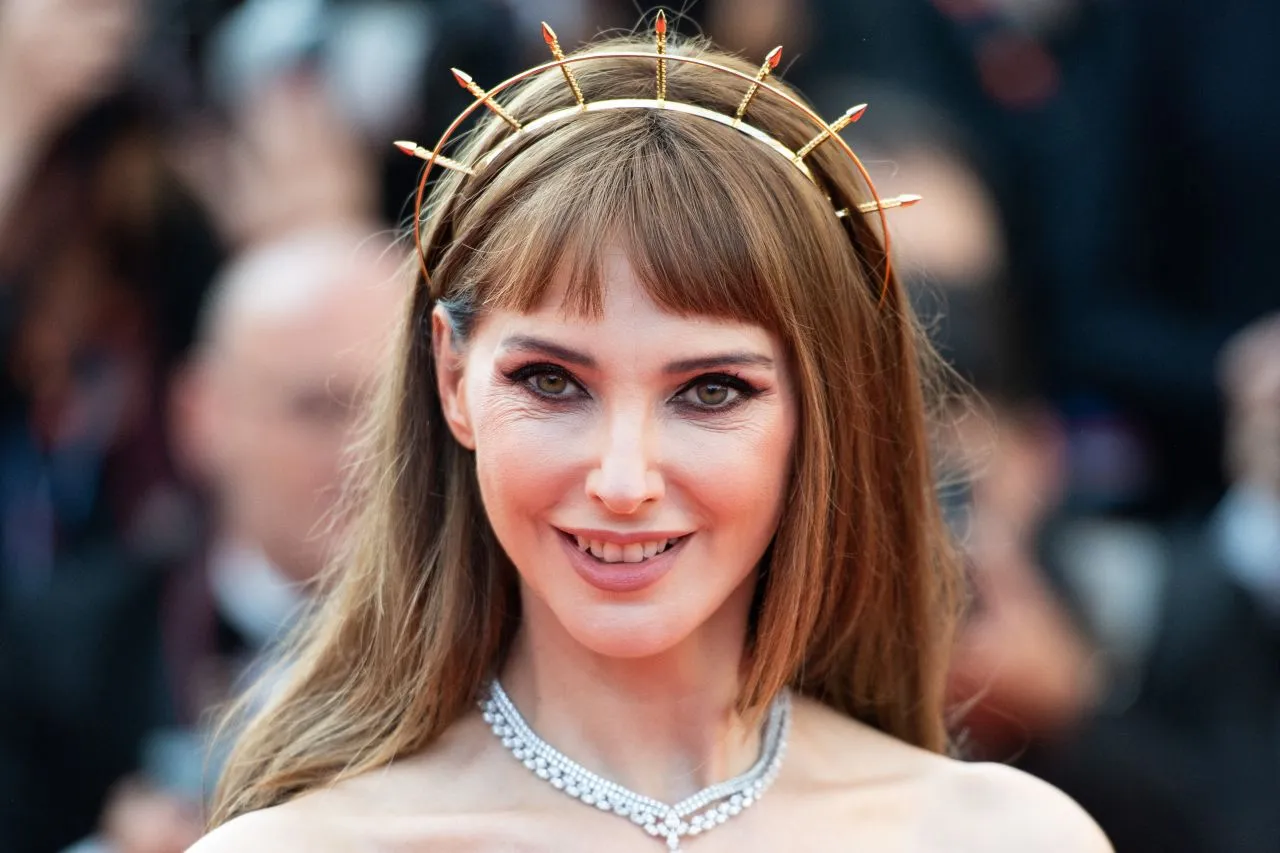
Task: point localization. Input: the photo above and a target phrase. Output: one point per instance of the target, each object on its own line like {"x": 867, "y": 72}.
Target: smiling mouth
{"x": 612, "y": 552}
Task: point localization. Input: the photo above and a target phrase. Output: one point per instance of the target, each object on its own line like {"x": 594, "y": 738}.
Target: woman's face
{"x": 632, "y": 466}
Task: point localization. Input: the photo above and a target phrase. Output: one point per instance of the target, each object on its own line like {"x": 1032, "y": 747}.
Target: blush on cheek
{"x": 743, "y": 471}
{"x": 524, "y": 462}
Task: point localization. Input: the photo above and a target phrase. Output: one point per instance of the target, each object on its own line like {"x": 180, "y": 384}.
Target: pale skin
{"x": 639, "y": 685}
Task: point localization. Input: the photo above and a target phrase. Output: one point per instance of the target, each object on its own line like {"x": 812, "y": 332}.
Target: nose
{"x": 625, "y": 478}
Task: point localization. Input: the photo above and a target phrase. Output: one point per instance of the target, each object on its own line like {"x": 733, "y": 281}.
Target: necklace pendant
{"x": 672, "y": 826}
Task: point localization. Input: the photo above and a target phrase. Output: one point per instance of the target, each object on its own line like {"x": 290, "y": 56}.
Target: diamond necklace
{"x": 693, "y": 815}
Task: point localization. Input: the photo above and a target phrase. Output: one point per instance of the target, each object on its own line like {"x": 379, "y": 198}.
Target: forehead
{"x": 341, "y": 337}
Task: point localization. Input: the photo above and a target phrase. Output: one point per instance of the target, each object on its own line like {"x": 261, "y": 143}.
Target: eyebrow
{"x": 739, "y": 358}
{"x": 742, "y": 358}
{"x": 528, "y": 343}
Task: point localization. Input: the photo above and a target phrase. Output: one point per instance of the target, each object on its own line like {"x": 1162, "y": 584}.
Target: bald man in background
{"x": 294, "y": 335}
{"x": 103, "y": 740}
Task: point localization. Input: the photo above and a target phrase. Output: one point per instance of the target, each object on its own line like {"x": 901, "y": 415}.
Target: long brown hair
{"x": 858, "y": 594}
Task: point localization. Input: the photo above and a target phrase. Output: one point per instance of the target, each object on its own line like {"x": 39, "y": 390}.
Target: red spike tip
{"x": 774, "y": 57}
{"x": 660, "y": 25}
{"x": 463, "y": 78}
{"x": 548, "y": 34}
{"x": 410, "y": 148}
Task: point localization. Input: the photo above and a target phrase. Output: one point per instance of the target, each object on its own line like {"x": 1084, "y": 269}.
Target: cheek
{"x": 738, "y": 476}
{"x": 298, "y": 460}
{"x": 523, "y": 458}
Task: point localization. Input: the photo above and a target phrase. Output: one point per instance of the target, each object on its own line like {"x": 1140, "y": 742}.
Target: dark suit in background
{"x": 113, "y": 653}
{"x": 1214, "y": 682}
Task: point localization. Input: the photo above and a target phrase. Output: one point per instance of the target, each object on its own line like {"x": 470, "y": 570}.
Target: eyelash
{"x": 523, "y": 377}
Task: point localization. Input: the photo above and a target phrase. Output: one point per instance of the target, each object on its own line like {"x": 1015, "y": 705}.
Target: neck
{"x": 663, "y": 726}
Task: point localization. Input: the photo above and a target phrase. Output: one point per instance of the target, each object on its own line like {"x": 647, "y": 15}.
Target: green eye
{"x": 551, "y": 384}
{"x": 712, "y": 394}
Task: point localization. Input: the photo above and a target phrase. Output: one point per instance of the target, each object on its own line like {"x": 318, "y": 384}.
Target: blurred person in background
{"x": 1139, "y": 215}
{"x": 56, "y": 58}
{"x": 107, "y": 678}
{"x": 102, "y": 260}
{"x": 1214, "y": 675}
{"x": 1024, "y": 669}
{"x": 1032, "y": 676}
{"x": 104, "y": 256}
{"x": 306, "y": 95}
{"x": 1024, "y": 666}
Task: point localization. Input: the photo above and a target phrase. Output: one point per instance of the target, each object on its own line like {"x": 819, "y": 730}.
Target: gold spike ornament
{"x": 549, "y": 36}
{"x": 465, "y": 81}
{"x": 770, "y": 63}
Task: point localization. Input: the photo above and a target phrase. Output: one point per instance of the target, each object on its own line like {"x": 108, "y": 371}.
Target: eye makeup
{"x": 739, "y": 392}
{"x": 529, "y": 377}
{"x": 556, "y": 385}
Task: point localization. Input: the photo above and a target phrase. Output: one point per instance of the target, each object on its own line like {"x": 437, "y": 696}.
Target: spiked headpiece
{"x": 825, "y": 131}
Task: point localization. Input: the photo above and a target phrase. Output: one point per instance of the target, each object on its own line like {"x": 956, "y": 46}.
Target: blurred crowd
{"x": 201, "y": 267}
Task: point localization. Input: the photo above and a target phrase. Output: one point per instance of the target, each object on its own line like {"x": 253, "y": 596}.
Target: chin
{"x": 627, "y": 631}
{"x": 664, "y": 621}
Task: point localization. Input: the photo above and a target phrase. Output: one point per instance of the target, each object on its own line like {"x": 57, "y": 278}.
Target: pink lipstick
{"x": 619, "y": 577}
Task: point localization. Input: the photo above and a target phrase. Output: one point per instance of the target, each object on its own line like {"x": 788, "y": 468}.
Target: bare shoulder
{"x": 282, "y": 829}
{"x": 992, "y": 808}
{"x": 929, "y": 801}
{"x": 443, "y": 798}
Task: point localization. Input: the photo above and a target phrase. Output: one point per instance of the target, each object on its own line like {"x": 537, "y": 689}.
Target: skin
{"x": 1250, "y": 377}
{"x": 639, "y": 686}
{"x": 1019, "y": 660}
{"x": 267, "y": 408}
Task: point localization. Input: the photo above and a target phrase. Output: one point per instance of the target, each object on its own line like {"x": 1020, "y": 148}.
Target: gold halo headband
{"x": 643, "y": 104}
{"x": 564, "y": 63}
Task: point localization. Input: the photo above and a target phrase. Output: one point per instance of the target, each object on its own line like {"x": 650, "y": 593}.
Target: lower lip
{"x": 619, "y": 577}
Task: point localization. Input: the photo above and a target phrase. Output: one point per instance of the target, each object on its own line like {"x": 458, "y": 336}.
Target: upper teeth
{"x": 632, "y": 552}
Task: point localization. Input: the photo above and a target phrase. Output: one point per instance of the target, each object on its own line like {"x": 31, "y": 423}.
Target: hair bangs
{"x": 693, "y": 206}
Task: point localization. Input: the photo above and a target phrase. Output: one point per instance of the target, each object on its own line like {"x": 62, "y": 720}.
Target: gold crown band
{"x": 644, "y": 104}
{"x": 413, "y": 149}
{"x": 434, "y": 157}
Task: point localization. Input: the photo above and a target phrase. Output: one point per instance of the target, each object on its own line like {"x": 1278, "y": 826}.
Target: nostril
{"x": 624, "y": 492}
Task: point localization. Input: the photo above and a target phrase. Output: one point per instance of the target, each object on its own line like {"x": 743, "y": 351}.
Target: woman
{"x": 648, "y": 520}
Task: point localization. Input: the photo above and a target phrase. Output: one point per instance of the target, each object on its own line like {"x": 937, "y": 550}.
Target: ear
{"x": 451, "y": 379}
